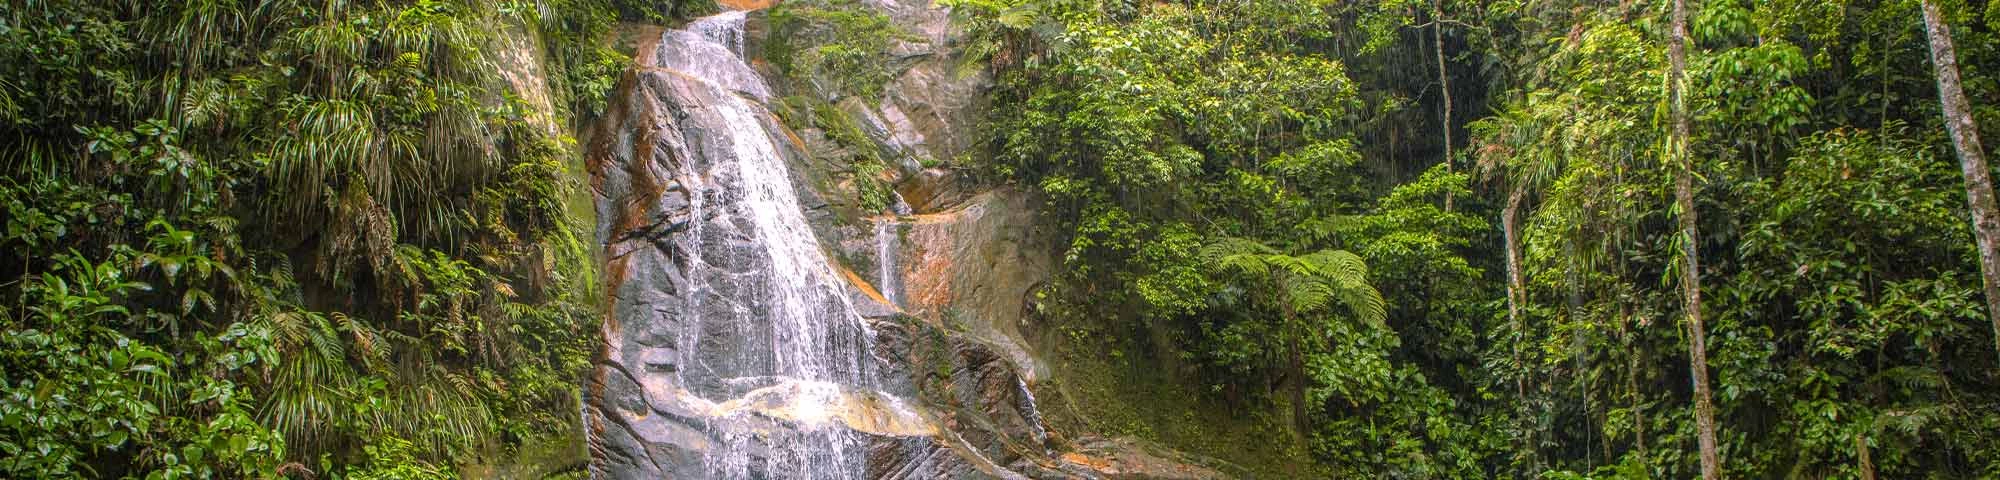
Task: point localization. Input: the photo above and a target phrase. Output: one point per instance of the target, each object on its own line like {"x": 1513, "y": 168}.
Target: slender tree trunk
{"x": 1632, "y": 361}
{"x": 1515, "y": 279}
{"x": 1299, "y": 377}
{"x": 1965, "y": 137}
{"x": 1628, "y": 331}
{"x": 1861, "y": 450}
{"x": 1516, "y": 295}
{"x": 1516, "y": 283}
{"x": 1444, "y": 86}
{"x": 1678, "y": 146}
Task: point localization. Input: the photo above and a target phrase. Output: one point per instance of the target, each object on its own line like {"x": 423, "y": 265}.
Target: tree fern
{"x": 1306, "y": 284}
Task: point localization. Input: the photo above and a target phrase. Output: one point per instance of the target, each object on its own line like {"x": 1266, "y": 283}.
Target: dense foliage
{"x": 1236, "y": 180}
{"x": 1408, "y": 239}
{"x": 254, "y": 238}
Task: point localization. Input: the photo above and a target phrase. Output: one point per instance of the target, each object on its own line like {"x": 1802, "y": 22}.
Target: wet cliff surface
{"x": 738, "y": 344}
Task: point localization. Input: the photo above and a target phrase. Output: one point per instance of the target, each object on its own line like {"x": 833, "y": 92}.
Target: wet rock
{"x": 732, "y": 349}
{"x": 738, "y": 344}
{"x": 932, "y": 107}
{"x": 975, "y": 266}
{"x": 935, "y": 189}
{"x": 1127, "y": 458}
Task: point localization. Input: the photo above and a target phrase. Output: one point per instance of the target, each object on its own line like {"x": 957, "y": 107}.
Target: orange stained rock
{"x": 746, "y": 4}
{"x": 1102, "y": 465}
{"x": 797, "y": 142}
{"x": 865, "y": 287}
{"x": 930, "y": 279}
{"x": 646, "y": 40}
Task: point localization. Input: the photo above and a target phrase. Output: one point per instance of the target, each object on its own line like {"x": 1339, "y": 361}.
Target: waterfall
{"x": 804, "y": 292}
{"x": 1032, "y": 413}
{"x": 808, "y": 308}
{"x": 711, "y": 49}
{"x": 735, "y": 348}
{"x": 750, "y": 344}
{"x": 885, "y": 260}
{"x": 897, "y": 205}
{"x": 887, "y": 279}
{"x": 725, "y": 29}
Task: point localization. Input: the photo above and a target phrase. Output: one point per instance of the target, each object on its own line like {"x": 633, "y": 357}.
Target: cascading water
{"x": 887, "y": 279}
{"x": 711, "y": 49}
{"x": 806, "y": 306}
{"x": 755, "y": 362}
{"x": 734, "y": 348}
{"x": 725, "y": 29}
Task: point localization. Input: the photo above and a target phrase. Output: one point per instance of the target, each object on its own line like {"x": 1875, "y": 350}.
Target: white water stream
{"x": 797, "y": 420}
{"x": 887, "y": 278}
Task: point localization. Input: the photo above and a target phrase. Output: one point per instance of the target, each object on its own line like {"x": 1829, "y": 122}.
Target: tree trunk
{"x": 1632, "y": 362}
{"x": 1867, "y": 464}
{"x": 1516, "y": 283}
{"x": 1678, "y": 146}
{"x": 1444, "y": 86}
{"x": 1300, "y": 427}
{"x": 1965, "y": 138}
{"x": 1516, "y": 295}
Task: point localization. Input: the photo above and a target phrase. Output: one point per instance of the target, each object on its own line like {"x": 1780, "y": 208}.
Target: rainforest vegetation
{"x": 316, "y": 239}
{"x": 1472, "y": 239}
{"x": 1398, "y": 238}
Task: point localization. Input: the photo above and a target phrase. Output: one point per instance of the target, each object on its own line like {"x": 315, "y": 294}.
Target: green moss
{"x": 664, "y": 12}
{"x": 827, "y": 50}
{"x": 866, "y": 159}
{"x": 1096, "y": 390}
{"x": 840, "y": 41}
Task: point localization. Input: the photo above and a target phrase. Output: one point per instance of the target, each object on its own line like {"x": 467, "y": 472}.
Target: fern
{"x": 1304, "y": 285}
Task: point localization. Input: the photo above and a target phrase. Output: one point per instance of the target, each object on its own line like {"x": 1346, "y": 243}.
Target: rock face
{"x": 732, "y": 350}
{"x": 973, "y": 266}
{"x": 930, "y": 108}
{"x": 736, "y": 347}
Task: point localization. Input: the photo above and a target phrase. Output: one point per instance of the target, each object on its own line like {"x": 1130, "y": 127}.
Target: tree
{"x": 1845, "y": 315}
{"x": 1444, "y": 85}
{"x": 1517, "y": 285}
{"x": 1965, "y": 138}
{"x": 1303, "y": 289}
{"x": 1677, "y": 147}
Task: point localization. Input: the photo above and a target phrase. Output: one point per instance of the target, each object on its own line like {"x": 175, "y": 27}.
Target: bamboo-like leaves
{"x": 328, "y": 140}
{"x": 359, "y": 131}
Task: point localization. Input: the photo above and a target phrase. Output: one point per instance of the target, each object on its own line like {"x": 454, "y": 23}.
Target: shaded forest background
{"x": 1434, "y": 239}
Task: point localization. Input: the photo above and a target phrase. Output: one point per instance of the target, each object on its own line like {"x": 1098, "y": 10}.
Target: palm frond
{"x": 368, "y": 344}
{"x": 306, "y": 403}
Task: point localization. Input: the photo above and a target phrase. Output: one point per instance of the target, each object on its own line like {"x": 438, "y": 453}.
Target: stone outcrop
{"x": 974, "y": 265}
{"x": 930, "y": 109}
